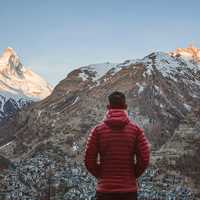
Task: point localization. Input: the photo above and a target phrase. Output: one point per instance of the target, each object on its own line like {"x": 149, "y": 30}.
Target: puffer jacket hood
{"x": 116, "y": 118}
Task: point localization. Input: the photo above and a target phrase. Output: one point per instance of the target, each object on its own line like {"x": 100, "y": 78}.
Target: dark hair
{"x": 117, "y": 100}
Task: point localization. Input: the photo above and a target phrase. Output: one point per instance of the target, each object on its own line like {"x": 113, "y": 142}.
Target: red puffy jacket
{"x": 117, "y": 153}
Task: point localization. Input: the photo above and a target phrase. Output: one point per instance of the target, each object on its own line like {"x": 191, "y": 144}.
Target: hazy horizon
{"x": 54, "y": 37}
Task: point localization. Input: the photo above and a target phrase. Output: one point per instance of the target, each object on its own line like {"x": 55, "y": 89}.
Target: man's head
{"x": 117, "y": 100}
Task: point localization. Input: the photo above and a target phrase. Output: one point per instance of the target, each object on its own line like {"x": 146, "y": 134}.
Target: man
{"x": 117, "y": 153}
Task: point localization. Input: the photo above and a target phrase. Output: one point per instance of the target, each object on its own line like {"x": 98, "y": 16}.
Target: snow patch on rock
{"x": 97, "y": 70}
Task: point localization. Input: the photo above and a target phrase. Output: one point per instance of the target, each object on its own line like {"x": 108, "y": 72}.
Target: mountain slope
{"x": 161, "y": 89}
{"x": 181, "y": 153}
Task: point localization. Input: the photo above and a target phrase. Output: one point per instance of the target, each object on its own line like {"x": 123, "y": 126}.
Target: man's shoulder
{"x": 134, "y": 127}
{"x": 101, "y": 126}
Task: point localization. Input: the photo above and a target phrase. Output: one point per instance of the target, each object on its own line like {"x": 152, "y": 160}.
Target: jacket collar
{"x": 116, "y": 118}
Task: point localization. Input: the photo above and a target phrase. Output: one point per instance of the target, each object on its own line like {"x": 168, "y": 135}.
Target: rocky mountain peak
{"x": 191, "y": 53}
{"x": 8, "y": 52}
{"x": 17, "y": 80}
{"x": 10, "y": 63}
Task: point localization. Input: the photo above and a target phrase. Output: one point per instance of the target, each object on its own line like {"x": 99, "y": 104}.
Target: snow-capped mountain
{"x": 190, "y": 53}
{"x": 18, "y": 85}
{"x": 165, "y": 63}
{"x": 18, "y": 80}
{"x": 162, "y": 89}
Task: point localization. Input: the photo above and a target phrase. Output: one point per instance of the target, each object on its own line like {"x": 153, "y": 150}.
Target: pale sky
{"x": 54, "y": 37}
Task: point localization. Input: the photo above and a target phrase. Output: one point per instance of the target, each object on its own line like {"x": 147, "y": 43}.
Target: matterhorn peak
{"x": 18, "y": 80}
{"x": 7, "y": 54}
{"x": 10, "y": 62}
{"x": 190, "y": 53}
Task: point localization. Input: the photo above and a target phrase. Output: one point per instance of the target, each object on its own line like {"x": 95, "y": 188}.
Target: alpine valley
{"x": 42, "y": 145}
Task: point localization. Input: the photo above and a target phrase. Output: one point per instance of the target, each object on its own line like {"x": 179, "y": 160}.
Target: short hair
{"x": 117, "y": 100}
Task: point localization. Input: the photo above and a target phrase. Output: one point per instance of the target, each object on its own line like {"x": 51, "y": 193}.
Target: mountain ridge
{"x": 161, "y": 91}
{"x": 171, "y": 91}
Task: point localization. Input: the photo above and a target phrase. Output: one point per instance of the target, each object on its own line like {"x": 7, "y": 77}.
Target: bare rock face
{"x": 180, "y": 154}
